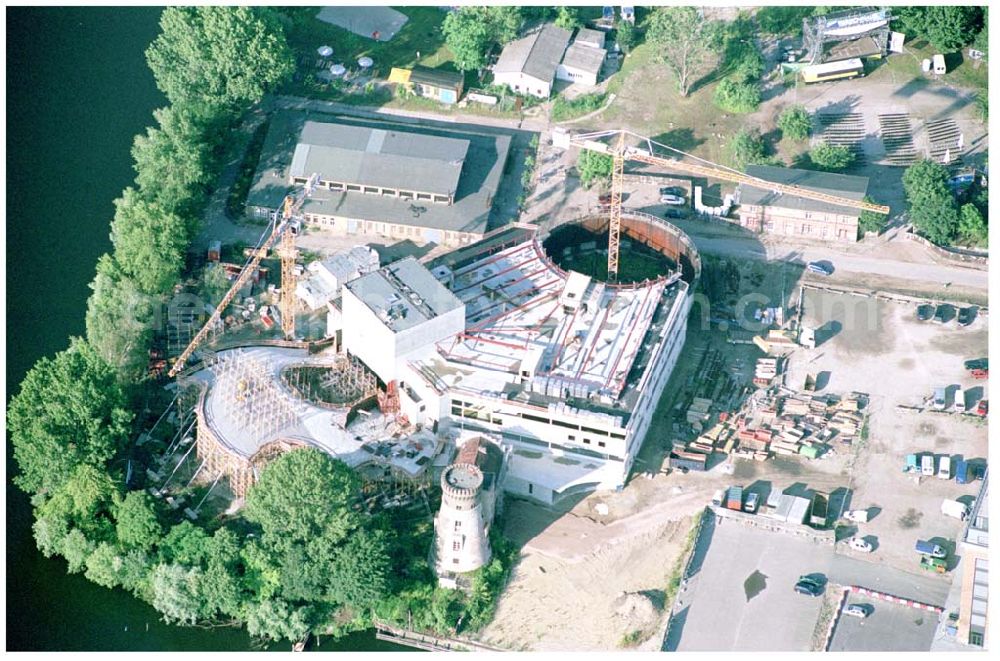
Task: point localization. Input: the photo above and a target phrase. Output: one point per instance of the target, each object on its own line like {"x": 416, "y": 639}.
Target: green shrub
{"x": 831, "y": 158}
{"x": 735, "y": 97}
{"x": 795, "y": 123}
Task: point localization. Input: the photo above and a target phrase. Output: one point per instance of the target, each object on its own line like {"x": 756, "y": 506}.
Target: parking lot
{"x": 889, "y": 628}
{"x": 880, "y": 348}
{"x": 742, "y": 597}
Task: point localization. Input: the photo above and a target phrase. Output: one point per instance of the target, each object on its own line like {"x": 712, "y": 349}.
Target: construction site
{"x": 621, "y": 377}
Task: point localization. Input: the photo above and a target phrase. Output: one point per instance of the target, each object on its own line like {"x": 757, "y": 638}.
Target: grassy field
{"x": 421, "y": 33}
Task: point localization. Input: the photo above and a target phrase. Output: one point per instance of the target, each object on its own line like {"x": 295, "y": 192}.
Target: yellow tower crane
{"x": 286, "y": 227}
{"x": 645, "y": 152}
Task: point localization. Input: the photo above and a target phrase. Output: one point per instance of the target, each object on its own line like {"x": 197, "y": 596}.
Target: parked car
{"x": 672, "y": 199}
{"x": 809, "y": 586}
{"x": 925, "y": 312}
{"x": 967, "y": 315}
{"x": 944, "y": 468}
{"x": 819, "y": 267}
{"x": 944, "y": 313}
{"x": 673, "y": 190}
{"x": 983, "y": 408}
{"x": 859, "y": 544}
{"x": 927, "y": 467}
{"x": 859, "y": 516}
{"x": 977, "y": 364}
{"x": 750, "y": 505}
{"x": 719, "y": 496}
{"x": 858, "y": 610}
{"x": 927, "y": 548}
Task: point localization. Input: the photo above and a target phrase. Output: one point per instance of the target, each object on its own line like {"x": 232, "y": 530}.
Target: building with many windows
{"x": 976, "y": 572}
{"x": 768, "y": 212}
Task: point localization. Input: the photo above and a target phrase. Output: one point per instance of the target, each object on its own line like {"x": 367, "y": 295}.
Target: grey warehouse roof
{"x": 536, "y": 55}
{"x": 482, "y": 174}
{"x": 379, "y": 157}
{"x": 404, "y": 294}
{"x": 588, "y": 37}
{"x": 584, "y": 58}
{"x": 842, "y": 185}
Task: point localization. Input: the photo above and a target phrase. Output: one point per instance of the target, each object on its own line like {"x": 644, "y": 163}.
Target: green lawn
{"x": 422, "y": 33}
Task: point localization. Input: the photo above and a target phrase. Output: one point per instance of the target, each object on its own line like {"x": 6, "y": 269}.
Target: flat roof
{"x": 404, "y": 294}
{"x": 386, "y": 158}
{"x": 584, "y": 58}
{"x": 537, "y": 55}
{"x": 588, "y": 37}
{"x": 482, "y": 175}
{"x": 586, "y": 359}
{"x": 842, "y": 185}
{"x": 436, "y": 77}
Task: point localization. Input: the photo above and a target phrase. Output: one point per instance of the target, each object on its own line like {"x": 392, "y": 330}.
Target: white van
{"x": 927, "y": 465}
{"x": 944, "y": 468}
{"x": 960, "y": 400}
{"x": 718, "y": 497}
{"x": 939, "y": 67}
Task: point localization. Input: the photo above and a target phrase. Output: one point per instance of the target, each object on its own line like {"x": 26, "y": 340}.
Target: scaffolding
{"x": 843, "y": 26}
{"x": 251, "y": 398}
{"x": 343, "y": 383}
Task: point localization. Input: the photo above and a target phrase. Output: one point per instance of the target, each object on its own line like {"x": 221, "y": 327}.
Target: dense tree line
{"x": 300, "y": 556}
{"x": 470, "y": 31}
{"x": 934, "y": 210}
{"x": 947, "y": 27}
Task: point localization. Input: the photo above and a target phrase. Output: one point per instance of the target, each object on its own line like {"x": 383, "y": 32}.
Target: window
{"x": 976, "y": 638}
{"x": 531, "y": 487}
{"x": 587, "y": 441}
{"x": 456, "y": 545}
{"x": 454, "y": 561}
{"x": 458, "y": 524}
{"x": 573, "y": 438}
{"x": 601, "y": 444}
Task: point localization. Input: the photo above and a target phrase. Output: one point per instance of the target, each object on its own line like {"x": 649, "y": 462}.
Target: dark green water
{"x": 78, "y": 90}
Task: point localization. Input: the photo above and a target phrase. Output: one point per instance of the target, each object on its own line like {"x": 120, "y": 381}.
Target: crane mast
{"x": 620, "y": 152}
{"x": 285, "y": 229}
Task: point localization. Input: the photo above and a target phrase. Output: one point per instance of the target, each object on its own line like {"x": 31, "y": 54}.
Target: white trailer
{"x": 954, "y": 509}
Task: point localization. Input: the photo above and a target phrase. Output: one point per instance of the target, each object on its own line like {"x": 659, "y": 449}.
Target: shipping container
{"x": 690, "y": 460}
{"x": 734, "y": 498}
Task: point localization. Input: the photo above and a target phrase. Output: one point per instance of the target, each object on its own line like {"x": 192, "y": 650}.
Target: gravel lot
{"x": 884, "y": 351}
{"x": 890, "y": 628}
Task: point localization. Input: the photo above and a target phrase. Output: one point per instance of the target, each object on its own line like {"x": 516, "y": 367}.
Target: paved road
{"x": 847, "y": 265}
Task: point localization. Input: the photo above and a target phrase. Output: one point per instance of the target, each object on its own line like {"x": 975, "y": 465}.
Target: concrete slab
{"x": 365, "y": 21}
{"x": 889, "y": 628}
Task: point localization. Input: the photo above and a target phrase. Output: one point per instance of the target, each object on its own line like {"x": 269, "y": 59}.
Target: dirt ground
{"x": 583, "y": 585}
{"x": 899, "y": 362}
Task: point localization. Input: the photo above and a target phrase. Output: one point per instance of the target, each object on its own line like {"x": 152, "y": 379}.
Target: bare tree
{"x": 685, "y": 41}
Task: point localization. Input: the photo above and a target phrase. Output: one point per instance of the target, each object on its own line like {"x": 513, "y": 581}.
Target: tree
{"x": 174, "y": 162}
{"x": 362, "y": 570}
{"x": 76, "y": 548}
{"x": 70, "y": 411}
{"x": 594, "y": 166}
{"x": 50, "y": 533}
{"x": 303, "y": 495}
{"x": 947, "y": 27}
{"x": 626, "y": 36}
{"x": 831, "y": 158}
{"x": 277, "y": 619}
{"x": 175, "y": 591}
{"x": 569, "y": 17}
{"x": 136, "y": 523}
{"x": 149, "y": 243}
{"x": 747, "y": 148}
{"x": 85, "y": 500}
{"x": 213, "y": 284}
{"x": 870, "y": 221}
{"x": 185, "y": 544}
{"x": 795, "y": 123}
{"x": 469, "y": 31}
{"x": 783, "y": 21}
{"x": 982, "y": 41}
{"x": 684, "y": 41}
{"x": 932, "y": 207}
{"x": 971, "y": 226}
{"x": 104, "y": 566}
{"x": 740, "y": 55}
{"x": 119, "y": 320}
{"x": 226, "y": 57}
{"x": 737, "y": 97}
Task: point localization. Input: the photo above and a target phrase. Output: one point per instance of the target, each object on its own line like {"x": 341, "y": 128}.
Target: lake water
{"x": 78, "y": 90}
